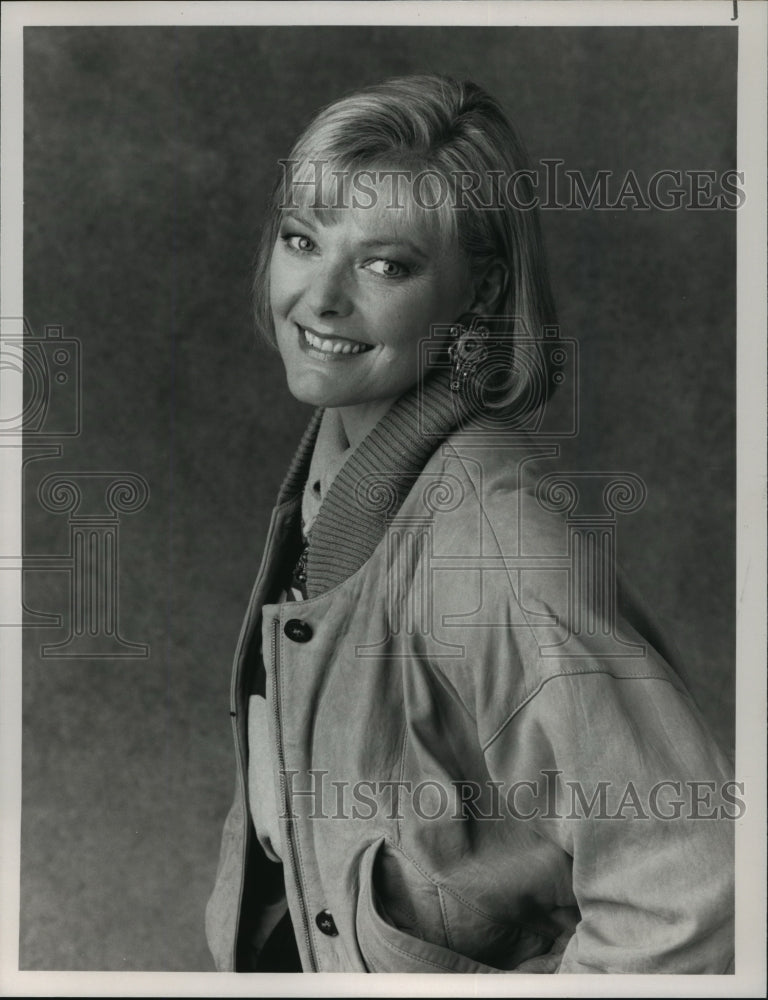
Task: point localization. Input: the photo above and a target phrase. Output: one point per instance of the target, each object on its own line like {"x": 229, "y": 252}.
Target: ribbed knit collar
{"x": 374, "y": 481}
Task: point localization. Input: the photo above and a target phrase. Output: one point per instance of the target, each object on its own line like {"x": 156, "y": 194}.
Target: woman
{"x": 456, "y": 751}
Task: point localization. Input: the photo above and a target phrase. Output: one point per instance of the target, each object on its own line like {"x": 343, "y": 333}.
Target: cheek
{"x": 402, "y": 324}
{"x": 440, "y": 303}
{"x": 279, "y": 283}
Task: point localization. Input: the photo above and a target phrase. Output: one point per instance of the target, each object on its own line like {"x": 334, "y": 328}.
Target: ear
{"x": 489, "y": 287}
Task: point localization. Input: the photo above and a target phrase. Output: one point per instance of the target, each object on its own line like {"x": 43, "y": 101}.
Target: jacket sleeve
{"x": 624, "y": 778}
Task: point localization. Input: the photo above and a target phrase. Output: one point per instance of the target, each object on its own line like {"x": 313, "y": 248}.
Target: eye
{"x": 387, "y": 268}
{"x": 299, "y": 242}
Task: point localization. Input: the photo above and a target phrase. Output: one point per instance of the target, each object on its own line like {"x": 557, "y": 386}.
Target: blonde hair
{"x": 445, "y": 130}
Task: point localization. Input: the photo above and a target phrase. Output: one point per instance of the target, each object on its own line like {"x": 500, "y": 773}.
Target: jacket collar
{"x": 374, "y": 481}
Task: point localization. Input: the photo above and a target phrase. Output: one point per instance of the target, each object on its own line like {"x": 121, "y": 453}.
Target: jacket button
{"x": 297, "y": 630}
{"x": 326, "y": 923}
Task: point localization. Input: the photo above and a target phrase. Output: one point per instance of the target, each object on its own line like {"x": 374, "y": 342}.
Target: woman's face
{"x": 352, "y": 295}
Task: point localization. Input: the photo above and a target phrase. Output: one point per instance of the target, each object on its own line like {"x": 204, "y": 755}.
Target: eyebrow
{"x": 379, "y": 241}
{"x": 298, "y": 218}
{"x": 387, "y": 240}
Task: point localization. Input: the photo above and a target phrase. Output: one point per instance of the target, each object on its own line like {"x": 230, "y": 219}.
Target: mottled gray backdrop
{"x": 148, "y": 153}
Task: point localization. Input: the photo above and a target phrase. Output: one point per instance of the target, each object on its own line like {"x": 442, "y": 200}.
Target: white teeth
{"x": 333, "y": 346}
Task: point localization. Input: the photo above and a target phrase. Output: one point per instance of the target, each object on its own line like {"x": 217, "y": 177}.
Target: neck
{"x": 361, "y": 418}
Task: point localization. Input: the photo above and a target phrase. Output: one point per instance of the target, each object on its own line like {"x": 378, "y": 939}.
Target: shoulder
{"x": 493, "y": 495}
{"x": 527, "y": 591}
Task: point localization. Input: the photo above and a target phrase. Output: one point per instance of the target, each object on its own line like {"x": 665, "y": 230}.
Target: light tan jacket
{"x": 487, "y": 763}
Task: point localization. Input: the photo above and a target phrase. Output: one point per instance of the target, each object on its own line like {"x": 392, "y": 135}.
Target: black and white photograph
{"x": 382, "y": 578}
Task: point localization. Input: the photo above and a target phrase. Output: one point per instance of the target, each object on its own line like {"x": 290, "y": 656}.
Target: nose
{"x": 327, "y": 293}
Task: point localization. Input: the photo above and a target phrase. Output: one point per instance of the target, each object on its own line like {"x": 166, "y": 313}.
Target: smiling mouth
{"x": 333, "y": 345}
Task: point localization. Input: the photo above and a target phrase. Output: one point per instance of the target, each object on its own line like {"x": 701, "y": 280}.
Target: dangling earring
{"x": 467, "y": 350}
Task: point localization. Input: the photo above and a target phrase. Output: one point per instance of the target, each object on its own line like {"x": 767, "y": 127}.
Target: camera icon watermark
{"x": 502, "y": 376}
{"x": 50, "y": 367}
{"x": 41, "y": 408}
{"x": 501, "y": 382}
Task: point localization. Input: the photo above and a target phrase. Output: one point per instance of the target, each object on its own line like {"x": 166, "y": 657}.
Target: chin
{"x": 313, "y": 393}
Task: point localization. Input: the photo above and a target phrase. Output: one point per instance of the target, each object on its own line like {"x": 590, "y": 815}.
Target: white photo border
{"x": 751, "y": 23}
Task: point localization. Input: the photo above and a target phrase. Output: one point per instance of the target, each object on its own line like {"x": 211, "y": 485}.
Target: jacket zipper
{"x": 289, "y": 818}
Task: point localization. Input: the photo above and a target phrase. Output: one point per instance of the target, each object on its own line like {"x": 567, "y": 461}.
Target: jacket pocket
{"x": 386, "y": 947}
